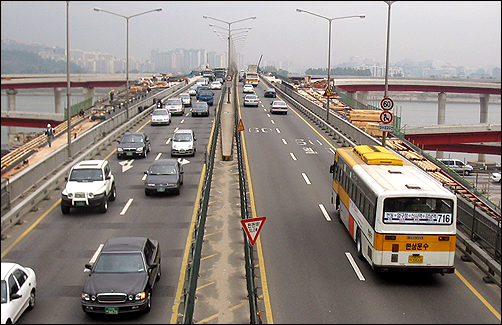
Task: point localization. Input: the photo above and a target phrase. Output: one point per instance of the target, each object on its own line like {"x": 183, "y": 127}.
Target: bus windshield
{"x": 418, "y": 210}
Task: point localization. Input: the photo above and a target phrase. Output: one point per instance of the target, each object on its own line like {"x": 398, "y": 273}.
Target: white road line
{"x": 320, "y": 143}
{"x": 124, "y": 210}
{"x": 284, "y": 141}
{"x": 168, "y": 140}
{"x": 268, "y": 115}
{"x": 292, "y": 156}
{"x": 332, "y": 151}
{"x": 95, "y": 256}
{"x": 354, "y": 266}
{"x": 278, "y": 131}
{"x": 272, "y": 121}
{"x": 158, "y": 156}
{"x": 306, "y": 179}
{"x": 144, "y": 177}
{"x": 325, "y": 212}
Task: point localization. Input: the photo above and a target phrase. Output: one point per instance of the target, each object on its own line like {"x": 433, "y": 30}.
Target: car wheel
{"x": 31, "y": 302}
{"x": 104, "y": 206}
{"x": 65, "y": 209}
{"x": 359, "y": 245}
{"x": 146, "y": 192}
{"x": 113, "y": 194}
{"x": 148, "y": 302}
{"x": 177, "y": 191}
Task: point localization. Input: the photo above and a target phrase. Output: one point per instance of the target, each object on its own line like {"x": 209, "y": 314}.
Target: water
{"x": 412, "y": 114}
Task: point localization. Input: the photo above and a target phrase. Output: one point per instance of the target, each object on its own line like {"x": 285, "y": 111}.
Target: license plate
{"x": 129, "y": 153}
{"x": 161, "y": 189}
{"x": 182, "y": 151}
{"x": 415, "y": 259}
{"x": 111, "y": 311}
{"x": 80, "y": 203}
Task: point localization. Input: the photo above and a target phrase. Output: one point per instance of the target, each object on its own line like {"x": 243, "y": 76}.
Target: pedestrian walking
{"x": 50, "y": 134}
{"x": 81, "y": 113}
{"x": 111, "y": 95}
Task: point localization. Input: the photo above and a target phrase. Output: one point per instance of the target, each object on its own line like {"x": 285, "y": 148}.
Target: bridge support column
{"x": 441, "y": 116}
{"x": 88, "y": 92}
{"x": 57, "y": 100}
{"x": 11, "y": 106}
{"x": 362, "y": 97}
{"x": 353, "y": 95}
{"x": 484, "y": 100}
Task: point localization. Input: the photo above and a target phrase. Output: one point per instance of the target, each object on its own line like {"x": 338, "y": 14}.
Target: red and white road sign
{"x": 252, "y": 227}
{"x": 386, "y": 117}
{"x": 387, "y": 104}
{"x": 229, "y": 77}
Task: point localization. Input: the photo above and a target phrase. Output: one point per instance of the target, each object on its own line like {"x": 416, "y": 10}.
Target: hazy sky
{"x": 466, "y": 33}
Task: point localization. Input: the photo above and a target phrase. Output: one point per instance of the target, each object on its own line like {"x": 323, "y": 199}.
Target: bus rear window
{"x": 418, "y": 210}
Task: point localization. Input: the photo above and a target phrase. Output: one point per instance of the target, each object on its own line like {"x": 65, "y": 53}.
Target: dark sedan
{"x": 122, "y": 277}
{"x": 134, "y": 144}
{"x": 200, "y": 109}
{"x": 164, "y": 176}
{"x": 270, "y": 92}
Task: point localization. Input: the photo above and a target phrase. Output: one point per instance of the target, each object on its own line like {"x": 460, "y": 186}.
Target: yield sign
{"x": 252, "y": 227}
{"x": 240, "y": 127}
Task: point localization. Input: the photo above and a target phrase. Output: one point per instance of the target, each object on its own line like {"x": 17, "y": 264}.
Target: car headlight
{"x": 139, "y": 149}
{"x": 88, "y": 297}
{"x": 120, "y": 149}
{"x": 90, "y": 195}
{"x": 150, "y": 184}
{"x": 70, "y": 195}
{"x": 140, "y": 296}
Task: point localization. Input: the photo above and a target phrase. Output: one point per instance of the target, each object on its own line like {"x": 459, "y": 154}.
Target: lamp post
{"x": 329, "y": 48}
{"x": 127, "y": 48}
{"x": 229, "y": 24}
{"x": 68, "y": 88}
{"x": 389, "y": 3}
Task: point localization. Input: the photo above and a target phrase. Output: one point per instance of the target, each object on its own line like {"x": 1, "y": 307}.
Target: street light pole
{"x": 127, "y": 48}
{"x": 389, "y": 3}
{"x": 68, "y": 87}
{"x": 329, "y": 48}
{"x": 229, "y": 24}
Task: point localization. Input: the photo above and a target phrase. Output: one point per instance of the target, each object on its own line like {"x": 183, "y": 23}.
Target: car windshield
{"x": 200, "y": 105}
{"x": 86, "y": 175}
{"x": 282, "y": 104}
{"x": 132, "y": 138}
{"x": 173, "y": 102}
{"x": 120, "y": 262}
{"x": 182, "y": 137}
{"x": 160, "y": 112}
{"x": 163, "y": 170}
{"x": 251, "y": 97}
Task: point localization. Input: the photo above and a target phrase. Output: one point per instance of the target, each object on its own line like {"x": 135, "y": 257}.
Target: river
{"x": 413, "y": 113}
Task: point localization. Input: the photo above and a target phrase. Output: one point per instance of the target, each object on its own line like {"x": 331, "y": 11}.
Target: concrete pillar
{"x": 57, "y": 100}
{"x": 88, "y": 92}
{"x": 352, "y": 94}
{"x": 362, "y": 97}
{"x": 441, "y": 116}
{"x": 484, "y": 100}
{"x": 11, "y": 106}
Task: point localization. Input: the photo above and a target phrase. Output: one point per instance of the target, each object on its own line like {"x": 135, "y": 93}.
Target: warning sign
{"x": 252, "y": 227}
{"x": 327, "y": 93}
{"x": 240, "y": 127}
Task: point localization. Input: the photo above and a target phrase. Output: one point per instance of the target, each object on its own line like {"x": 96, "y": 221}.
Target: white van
{"x": 183, "y": 143}
{"x": 457, "y": 165}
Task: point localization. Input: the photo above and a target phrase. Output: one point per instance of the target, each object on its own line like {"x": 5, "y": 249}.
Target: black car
{"x": 134, "y": 144}
{"x": 270, "y": 92}
{"x": 164, "y": 176}
{"x": 122, "y": 277}
{"x": 200, "y": 109}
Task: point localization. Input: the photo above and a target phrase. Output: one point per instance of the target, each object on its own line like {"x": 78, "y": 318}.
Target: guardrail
{"x": 35, "y": 183}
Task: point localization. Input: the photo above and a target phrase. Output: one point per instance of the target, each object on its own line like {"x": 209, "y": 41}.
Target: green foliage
{"x": 27, "y": 62}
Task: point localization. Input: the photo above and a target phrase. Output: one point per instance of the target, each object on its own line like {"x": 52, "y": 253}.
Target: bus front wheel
{"x": 359, "y": 245}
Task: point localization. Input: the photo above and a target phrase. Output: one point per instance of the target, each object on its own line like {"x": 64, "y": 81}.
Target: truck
{"x": 220, "y": 73}
{"x": 252, "y": 67}
{"x": 208, "y": 73}
{"x": 251, "y": 75}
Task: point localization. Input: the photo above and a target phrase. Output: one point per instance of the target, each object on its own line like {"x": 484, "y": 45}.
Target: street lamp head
{"x": 362, "y": 16}
{"x": 97, "y": 9}
{"x": 299, "y": 10}
{"x": 158, "y": 9}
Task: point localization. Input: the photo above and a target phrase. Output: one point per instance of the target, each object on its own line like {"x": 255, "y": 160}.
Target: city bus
{"x": 400, "y": 217}
{"x": 251, "y": 78}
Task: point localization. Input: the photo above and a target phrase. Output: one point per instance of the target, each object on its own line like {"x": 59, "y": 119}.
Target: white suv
{"x": 89, "y": 184}
{"x": 457, "y": 165}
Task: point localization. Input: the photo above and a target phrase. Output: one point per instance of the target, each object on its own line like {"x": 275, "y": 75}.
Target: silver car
{"x": 161, "y": 116}
{"x": 175, "y": 106}
{"x": 185, "y": 98}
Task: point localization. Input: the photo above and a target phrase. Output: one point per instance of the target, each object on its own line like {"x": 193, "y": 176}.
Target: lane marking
{"x": 94, "y": 257}
{"x": 306, "y": 179}
{"x": 272, "y": 121}
{"x": 284, "y": 141}
{"x": 354, "y": 266}
{"x": 168, "y": 141}
{"x": 292, "y": 156}
{"x": 325, "y": 212}
{"x": 158, "y": 156}
{"x": 278, "y": 131}
{"x": 124, "y": 210}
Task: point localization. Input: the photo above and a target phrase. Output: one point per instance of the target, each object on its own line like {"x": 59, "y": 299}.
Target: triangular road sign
{"x": 327, "y": 93}
{"x": 252, "y": 227}
{"x": 240, "y": 127}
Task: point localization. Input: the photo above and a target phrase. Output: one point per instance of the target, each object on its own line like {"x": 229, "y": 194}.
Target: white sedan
{"x": 19, "y": 286}
{"x": 495, "y": 177}
{"x": 248, "y": 88}
{"x": 216, "y": 85}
